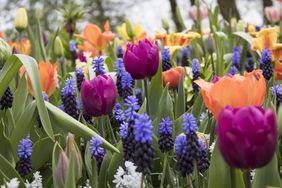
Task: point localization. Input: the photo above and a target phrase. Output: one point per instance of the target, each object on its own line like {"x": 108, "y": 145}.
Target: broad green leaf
{"x": 87, "y": 160}
{"x": 103, "y": 174}
{"x": 268, "y": 175}
{"x": 9, "y": 170}
{"x": 155, "y": 91}
{"x": 196, "y": 109}
{"x": 41, "y": 152}
{"x": 110, "y": 64}
{"x": 69, "y": 124}
{"x": 279, "y": 119}
{"x": 237, "y": 178}
{"x": 55, "y": 157}
{"x": 70, "y": 181}
{"x": 180, "y": 102}
{"x": 10, "y": 70}
{"x": 23, "y": 125}
{"x": 117, "y": 160}
{"x": 6, "y": 147}
{"x": 94, "y": 177}
{"x": 166, "y": 105}
{"x": 20, "y": 97}
{"x": 219, "y": 171}
{"x": 244, "y": 35}
{"x": 142, "y": 110}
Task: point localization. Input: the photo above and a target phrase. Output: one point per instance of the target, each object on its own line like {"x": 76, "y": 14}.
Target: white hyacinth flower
{"x": 14, "y": 183}
{"x": 37, "y": 181}
{"x": 128, "y": 177}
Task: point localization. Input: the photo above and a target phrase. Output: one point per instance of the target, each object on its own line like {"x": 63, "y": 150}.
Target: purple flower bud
{"x": 142, "y": 60}
{"x": 247, "y": 136}
{"x": 98, "y": 95}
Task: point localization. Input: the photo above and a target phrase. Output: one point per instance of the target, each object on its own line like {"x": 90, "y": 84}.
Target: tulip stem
{"x": 248, "y": 179}
{"x": 147, "y": 96}
{"x": 101, "y": 126}
{"x": 213, "y": 67}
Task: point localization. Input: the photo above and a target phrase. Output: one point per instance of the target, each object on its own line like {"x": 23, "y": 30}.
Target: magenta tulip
{"x": 142, "y": 60}
{"x": 247, "y": 136}
{"x": 98, "y": 95}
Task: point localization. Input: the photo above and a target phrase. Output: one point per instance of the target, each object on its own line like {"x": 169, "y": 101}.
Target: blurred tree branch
{"x": 175, "y": 17}
{"x": 228, "y": 9}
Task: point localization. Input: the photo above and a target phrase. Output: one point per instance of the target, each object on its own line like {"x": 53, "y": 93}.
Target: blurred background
{"x": 148, "y": 13}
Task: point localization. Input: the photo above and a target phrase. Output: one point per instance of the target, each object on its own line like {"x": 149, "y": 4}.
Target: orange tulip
{"x": 22, "y": 47}
{"x": 95, "y": 39}
{"x": 2, "y": 35}
{"x": 48, "y": 77}
{"x": 237, "y": 91}
{"x": 172, "y": 76}
{"x": 177, "y": 39}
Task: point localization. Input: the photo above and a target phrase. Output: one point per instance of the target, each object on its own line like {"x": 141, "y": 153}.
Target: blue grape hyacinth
{"x": 98, "y": 63}
{"x": 165, "y": 135}
{"x": 24, "y": 153}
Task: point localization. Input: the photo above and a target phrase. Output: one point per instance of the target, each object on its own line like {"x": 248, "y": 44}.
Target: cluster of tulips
{"x": 180, "y": 109}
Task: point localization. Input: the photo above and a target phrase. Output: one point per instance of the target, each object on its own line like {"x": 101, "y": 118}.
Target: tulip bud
{"x": 240, "y": 26}
{"x": 165, "y": 24}
{"x": 38, "y": 13}
{"x": 5, "y": 52}
{"x": 59, "y": 49}
{"x": 233, "y": 24}
{"x": 129, "y": 29}
{"x": 72, "y": 149}
{"x": 61, "y": 169}
{"x": 210, "y": 44}
{"x": 21, "y": 20}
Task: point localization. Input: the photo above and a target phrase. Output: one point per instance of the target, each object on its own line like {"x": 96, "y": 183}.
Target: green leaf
{"x": 6, "y": 146}
{"x": 9, "y": 170}
{"x": 94, "y": 177}
{"x": 69, "y": 124}
{"x": 70, "y": 181}
{"x": 87, "y": 159}
{"x": 142, "y": 110}
{"x": 196, "y": 109}
{"x": 41, "y": 152}
{"x": 103, "y": 174}
{"x": 166, "y": 104}
{"x": 244, "y": 36}
{"x": 10, "y": 70}
{"x": 110, "y": 64}
{"x": 219, "y": 171}
{"x": 117, "y": 160}
{"x": 268, "y": 175}
{"x": 55, "y": 157}
{"x": 23, "y": 125}
{"x": 155, "y": 91}
{"x": 279, "y": 119}
{"x": 20, "y": 97}
{"x": 180, "y": 102}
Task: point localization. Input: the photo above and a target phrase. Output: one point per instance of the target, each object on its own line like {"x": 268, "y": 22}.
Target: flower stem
{"x": 101, "y": 126}
{"x": 142, "y": 179}
{"x": 164, "y": 169}
{"x": 147, "y": 96}
{"x": 61, "y": 60}
{"x": 189, "y": 178}
{"x": 213, "y": 67}
{"x": 248, "y": 179}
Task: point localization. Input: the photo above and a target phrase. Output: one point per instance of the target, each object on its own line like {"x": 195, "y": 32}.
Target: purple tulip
{"x": 247, "y": 136}
{"x": 98, "y": 95}
{"x": 142, "y": 60}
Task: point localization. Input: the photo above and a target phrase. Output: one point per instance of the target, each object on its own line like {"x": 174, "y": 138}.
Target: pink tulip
{"x": 272, "y": 14}
{"x": 203, "y": 12}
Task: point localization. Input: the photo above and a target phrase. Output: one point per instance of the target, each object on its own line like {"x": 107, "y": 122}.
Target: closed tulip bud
{"x": 72, "y": 149}
{"x": 98, "y": 95}
{"x": 233, "y": 24}
{"x": 240, "y": 26}
{"x": 142, "y": 60}
{"x": 5, "y": 52}
{"x": 129, "y": 29}
{"x": 58, "y": 48}
{"x": 247, "y": 136}
{"x": 210, "y": 43}
{"x": 165, "y": 24}
{"x": 61, "y": 171}
{"x": 21, "y": 20}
